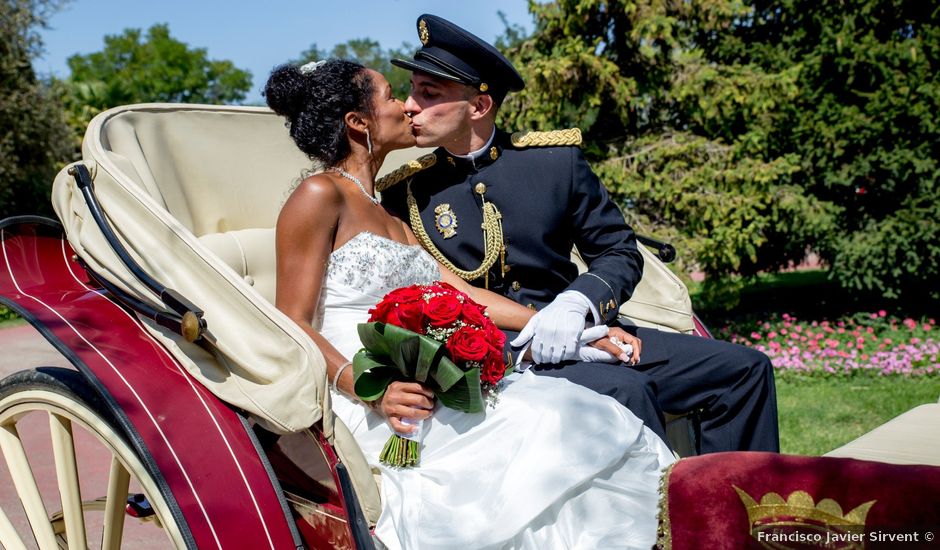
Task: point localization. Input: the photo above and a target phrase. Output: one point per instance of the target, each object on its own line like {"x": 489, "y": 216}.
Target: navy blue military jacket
{"x": 549, "y": 200}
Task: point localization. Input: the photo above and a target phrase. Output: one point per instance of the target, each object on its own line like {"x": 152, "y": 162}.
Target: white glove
{"x": 555, "y": 331}
{"x": 591, "y": 354}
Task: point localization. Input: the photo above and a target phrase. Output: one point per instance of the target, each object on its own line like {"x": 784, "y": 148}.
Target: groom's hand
{"x": 406, "y": 400}
{"x": 555, "y": 331}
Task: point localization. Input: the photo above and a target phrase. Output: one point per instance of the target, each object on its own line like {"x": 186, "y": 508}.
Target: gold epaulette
{"x": 571, "y": 136}
{"x": 405, "y": 171}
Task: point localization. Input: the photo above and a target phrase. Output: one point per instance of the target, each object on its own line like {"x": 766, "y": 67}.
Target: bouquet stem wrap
{"x": 392, "y": 353}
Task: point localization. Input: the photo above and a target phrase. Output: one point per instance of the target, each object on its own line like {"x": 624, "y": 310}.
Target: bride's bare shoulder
{"x": 316, "y": 198}
{"x": 321, "y": 188}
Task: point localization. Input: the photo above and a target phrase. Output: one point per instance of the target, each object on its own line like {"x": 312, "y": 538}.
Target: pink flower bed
{"x": 875, "y": 343}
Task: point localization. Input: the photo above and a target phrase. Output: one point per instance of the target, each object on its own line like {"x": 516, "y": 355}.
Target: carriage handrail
{"x": 190, "y": 323}
{"x": 664, "y": 251}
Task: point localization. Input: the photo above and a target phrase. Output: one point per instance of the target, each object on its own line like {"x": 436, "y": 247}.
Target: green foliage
{"x": 896, "y": 255}
{"x": 8, "y": 316}
{"x": 34, "y": 142}
{"x": 864, "y": 126}
{"x": 753, "y": 131}
{"x": 726, "y": 213}
{"x": 370, "y": 54}
{"x": 135, "y": 67}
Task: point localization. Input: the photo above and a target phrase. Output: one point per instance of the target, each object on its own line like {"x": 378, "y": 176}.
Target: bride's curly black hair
{"x": 315, "y": 103}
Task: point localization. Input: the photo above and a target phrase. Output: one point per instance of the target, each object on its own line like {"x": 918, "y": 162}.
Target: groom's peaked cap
{"x": 451, "y": 52}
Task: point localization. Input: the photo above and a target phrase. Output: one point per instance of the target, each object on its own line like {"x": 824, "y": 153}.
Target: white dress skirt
{"x": 551, "y": 465}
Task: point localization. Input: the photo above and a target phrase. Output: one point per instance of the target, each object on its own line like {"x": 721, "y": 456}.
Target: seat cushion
{"x": 911, "y": 438}
{"x": 250, "y": 253}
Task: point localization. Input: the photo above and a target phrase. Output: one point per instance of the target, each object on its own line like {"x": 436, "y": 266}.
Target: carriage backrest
{"x": 165, "y": 174}
{"x": 214, "y": 170}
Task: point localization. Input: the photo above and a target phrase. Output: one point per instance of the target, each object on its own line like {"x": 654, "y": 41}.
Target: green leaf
{"x": 392, "y": 353}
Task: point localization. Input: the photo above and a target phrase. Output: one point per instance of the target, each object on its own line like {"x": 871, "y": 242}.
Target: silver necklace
{"x": 358, "y": 183}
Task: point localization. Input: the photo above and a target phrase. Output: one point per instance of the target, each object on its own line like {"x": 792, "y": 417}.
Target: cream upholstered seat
{"x": 910, "y": 438}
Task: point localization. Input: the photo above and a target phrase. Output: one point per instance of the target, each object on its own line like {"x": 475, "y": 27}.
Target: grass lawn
{"x": 818, "y": 414}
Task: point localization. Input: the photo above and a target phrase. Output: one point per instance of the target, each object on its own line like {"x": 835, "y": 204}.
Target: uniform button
{"x": 480, "y": 188}
{"x": 516, "y": 286}
{"x": 611, "y": 304}
{"x": 530, "y": 306}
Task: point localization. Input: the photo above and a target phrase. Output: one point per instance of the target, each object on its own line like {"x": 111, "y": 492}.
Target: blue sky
{"x": 259, "y": 35}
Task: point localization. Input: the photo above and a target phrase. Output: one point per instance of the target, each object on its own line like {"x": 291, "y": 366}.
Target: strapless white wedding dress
{"x": 552, "y": 465}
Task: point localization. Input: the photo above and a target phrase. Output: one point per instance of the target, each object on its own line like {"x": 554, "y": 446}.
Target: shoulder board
{"x": 555, "y": 138}
{"x": 404, "y": 171}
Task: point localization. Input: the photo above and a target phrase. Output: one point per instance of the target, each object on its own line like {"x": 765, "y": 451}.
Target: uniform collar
{"x": 477, "y": 159}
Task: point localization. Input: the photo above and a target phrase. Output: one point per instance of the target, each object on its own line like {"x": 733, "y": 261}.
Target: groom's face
{"x": 440, "y": 111}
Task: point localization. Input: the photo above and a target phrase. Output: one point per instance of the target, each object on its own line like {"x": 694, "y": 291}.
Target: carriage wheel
{"x": 45, "y": 416}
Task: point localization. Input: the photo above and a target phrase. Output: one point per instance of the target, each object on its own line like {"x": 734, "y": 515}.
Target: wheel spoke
{"x": 8, "y": 536}
{"x": 118, "y": 482}
{"x": 63, "y": 448}
{"x": 26, "y": 487}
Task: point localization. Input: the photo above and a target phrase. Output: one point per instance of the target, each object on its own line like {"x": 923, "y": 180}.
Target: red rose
{"x": 381, "y": 312}
{"x": 493, "y": 369}
{"x": 405, "y": 294}
{"x": 468, "y": 344}
{"x": 472, "y": 313}
{"x": 411, "y": 315}
{"x": 495, "y": 338}
{"x": 443, "y": 310}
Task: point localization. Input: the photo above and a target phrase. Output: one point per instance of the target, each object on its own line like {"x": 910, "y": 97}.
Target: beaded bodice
{"x": 359, "y": 274}
{"x": 375, "y": 265}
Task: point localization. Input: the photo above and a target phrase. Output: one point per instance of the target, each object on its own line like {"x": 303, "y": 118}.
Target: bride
{"x": 552, "y": 465}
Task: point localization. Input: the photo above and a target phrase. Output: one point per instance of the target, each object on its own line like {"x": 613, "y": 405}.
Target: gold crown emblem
{"x": 423, "y": 33}
{"x": 800, "y": 512}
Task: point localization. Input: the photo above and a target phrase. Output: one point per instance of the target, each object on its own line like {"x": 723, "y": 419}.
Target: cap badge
{"x": 423, "y": 32}
{"x": 446, "y": 220}
{"x": 484, "y": 86}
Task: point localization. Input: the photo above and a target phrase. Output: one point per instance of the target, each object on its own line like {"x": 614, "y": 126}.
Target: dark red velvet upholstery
{"x": 706, "y": 511}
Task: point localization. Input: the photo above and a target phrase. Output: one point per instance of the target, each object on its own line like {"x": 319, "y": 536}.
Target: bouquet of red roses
{"x": 436, "y": 335}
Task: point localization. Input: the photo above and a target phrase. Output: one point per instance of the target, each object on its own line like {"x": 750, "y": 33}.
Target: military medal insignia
{"x": 446, "y": 220}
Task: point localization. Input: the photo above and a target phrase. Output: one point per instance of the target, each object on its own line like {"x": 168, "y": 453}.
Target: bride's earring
{"x": 368, "y": 141}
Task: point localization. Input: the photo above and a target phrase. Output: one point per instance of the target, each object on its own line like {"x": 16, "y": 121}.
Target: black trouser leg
{"x": 731, "y": 384}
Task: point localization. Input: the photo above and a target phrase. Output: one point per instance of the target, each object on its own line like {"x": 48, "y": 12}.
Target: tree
{"x": 679, "y": 140}
{"x": 864, "y": 127}
{"x": 35, "y": 140}
{"x": 134, "y": 67}
{"x": 370, "y": 54}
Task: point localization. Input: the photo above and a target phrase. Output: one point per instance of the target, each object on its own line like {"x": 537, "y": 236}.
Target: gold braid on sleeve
{"x": 492, "y": 238}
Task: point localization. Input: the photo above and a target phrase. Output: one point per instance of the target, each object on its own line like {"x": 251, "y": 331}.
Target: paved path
{"x": 21, "y": 348}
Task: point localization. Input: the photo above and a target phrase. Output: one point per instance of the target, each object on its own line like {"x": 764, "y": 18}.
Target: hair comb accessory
{"x": 308, "y": 68}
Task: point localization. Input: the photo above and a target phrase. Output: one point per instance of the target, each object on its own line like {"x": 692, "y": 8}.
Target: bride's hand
{"x": 617, "y": 334}
{"x": 406, "y": 400}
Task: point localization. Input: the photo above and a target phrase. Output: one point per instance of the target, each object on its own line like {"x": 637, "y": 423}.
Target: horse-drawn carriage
{"x": 206, "y": 410}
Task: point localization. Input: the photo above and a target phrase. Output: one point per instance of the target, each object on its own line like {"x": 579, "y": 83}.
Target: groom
{"x": 504, "y": 211}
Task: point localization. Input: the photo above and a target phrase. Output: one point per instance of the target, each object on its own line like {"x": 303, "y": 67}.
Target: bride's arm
{"x": 303, "y": 243}
{"x": 507, "y": 315}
